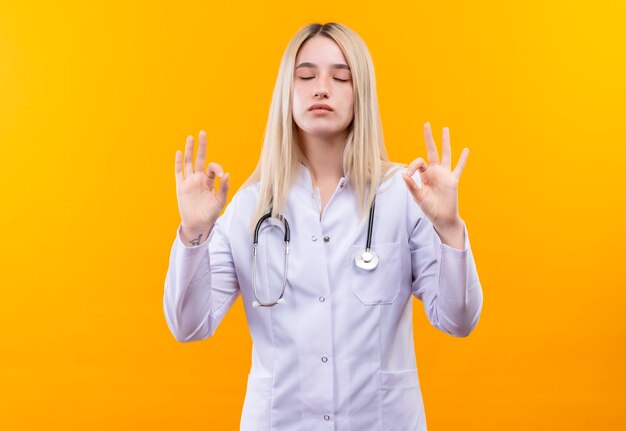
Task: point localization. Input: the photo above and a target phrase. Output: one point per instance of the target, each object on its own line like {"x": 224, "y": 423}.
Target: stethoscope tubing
{"x": 365, "y": 259}
{"x": 280, "y": 300}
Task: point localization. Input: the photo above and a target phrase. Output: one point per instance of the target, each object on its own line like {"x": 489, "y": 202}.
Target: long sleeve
{"x": 445, "y": 279}
{"x": 200, "y": 284}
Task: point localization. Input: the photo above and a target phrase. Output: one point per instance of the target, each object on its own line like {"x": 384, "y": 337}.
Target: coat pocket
{"x": 380, "y": 285}
{"x": 402, "y": 405}
{"x": 255, "y": 415}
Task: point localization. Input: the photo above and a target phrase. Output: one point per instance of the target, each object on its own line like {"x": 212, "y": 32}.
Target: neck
{"x": 325, "y": 155}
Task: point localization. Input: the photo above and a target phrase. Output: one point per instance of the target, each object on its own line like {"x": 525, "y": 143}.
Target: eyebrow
{"x": 334, "y": 66}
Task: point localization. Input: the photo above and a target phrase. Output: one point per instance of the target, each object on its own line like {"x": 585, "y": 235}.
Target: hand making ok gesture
{"x": 199, "y": 203}
{"x": 438, "y": 196}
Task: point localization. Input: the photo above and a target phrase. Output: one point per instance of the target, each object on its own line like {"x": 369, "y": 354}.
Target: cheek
{"x": 349, "y": 104}
{"x": 297, "y": 107}
{"x": 296, "y": 101}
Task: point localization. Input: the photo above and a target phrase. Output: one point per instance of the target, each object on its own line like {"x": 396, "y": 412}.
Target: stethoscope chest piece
{"x": 366, "y": 259}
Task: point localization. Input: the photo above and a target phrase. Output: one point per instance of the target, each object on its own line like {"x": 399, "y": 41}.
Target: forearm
{"x": 459, "y": 293}
{"x": 188, "y": 297}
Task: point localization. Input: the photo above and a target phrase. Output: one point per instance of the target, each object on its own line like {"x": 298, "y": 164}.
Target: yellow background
{"x": 96, "y": 97}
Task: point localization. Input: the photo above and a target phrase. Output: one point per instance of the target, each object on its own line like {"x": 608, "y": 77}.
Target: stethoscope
{"x": 364, "y": 259}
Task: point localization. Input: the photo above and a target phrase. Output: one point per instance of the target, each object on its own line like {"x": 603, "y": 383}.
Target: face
{"x": 322, "y": 76}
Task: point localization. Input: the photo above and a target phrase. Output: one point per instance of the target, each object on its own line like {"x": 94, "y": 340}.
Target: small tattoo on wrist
{"x": 196, "y": 241}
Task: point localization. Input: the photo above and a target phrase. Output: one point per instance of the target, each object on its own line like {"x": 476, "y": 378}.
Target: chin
{"x": 321, "y": 131}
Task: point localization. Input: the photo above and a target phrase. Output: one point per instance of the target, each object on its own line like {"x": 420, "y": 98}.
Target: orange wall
{"x": 96, "y": 97}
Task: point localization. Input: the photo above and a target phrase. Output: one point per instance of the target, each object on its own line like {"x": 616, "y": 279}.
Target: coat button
{"x": 326, "y": 417}
{"x": 322, "y": 299}
{"x": 326, "y": 238}
{"x": 324, "y": 359}
{"x": 313, "y": 238}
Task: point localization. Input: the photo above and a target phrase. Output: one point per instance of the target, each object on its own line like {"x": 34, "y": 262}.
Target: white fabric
{"x": 360, "y": 321}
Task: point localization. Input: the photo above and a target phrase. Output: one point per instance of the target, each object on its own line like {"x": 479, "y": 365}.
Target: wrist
{"x": 449, "y": 225}
{"x": 195, "y": 235}
{"x": 196, "y": 228}
{"x": 452, "y": 233}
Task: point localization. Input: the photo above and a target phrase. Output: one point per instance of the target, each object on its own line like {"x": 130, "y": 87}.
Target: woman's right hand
{"x": 198, "y": 204}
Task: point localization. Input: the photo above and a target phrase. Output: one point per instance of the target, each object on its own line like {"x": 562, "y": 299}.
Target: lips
{"x": 320, "y": 106}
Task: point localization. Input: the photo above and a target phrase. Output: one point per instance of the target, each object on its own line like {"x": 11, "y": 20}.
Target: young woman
{"x": 326, "y": 243}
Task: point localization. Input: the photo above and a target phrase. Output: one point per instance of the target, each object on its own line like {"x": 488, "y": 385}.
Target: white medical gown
{"x": 338, "y": 354}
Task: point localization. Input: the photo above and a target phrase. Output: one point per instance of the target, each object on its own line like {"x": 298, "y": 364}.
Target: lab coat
{"x": 339, "y": 353}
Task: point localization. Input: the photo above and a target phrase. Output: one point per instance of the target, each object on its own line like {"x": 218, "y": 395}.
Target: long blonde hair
{"x": 364, "y": 157}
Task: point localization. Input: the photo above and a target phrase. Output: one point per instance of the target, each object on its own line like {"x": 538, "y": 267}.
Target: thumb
{"x": 222, "y": 193}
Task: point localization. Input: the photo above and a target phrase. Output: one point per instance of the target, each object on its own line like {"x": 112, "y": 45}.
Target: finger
{"x": 418, "y": 164}
{"x": 201, "y": 154}
{"x": 222, "y": 193}
{"x": 214, "y": 170}
{"x": 188, "y": 156}
{"x": 445, "y": 147}
{"x": 414, "y": 189}
{"x": 461, "y": 163}
{"x": 431, "y": 148}
{"x": 178, "y": 166}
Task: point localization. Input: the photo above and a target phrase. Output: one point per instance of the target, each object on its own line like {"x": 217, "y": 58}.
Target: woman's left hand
{"x": 438, "y": 196}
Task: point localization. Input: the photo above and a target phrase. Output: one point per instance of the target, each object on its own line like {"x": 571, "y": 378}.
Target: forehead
{"x": 321, "y": 51}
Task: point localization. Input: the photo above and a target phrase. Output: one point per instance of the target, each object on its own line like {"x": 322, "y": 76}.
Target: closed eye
{"x": 336, "y": 79}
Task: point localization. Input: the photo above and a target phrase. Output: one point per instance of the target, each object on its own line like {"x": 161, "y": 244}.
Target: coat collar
{"x": 305, "y": 179}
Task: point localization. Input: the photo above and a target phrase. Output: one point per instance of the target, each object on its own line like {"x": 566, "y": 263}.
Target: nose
{"x": 320, "y": 93}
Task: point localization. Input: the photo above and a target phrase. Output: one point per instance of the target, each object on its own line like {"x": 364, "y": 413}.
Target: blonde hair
{"x": 364, "y": 157}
